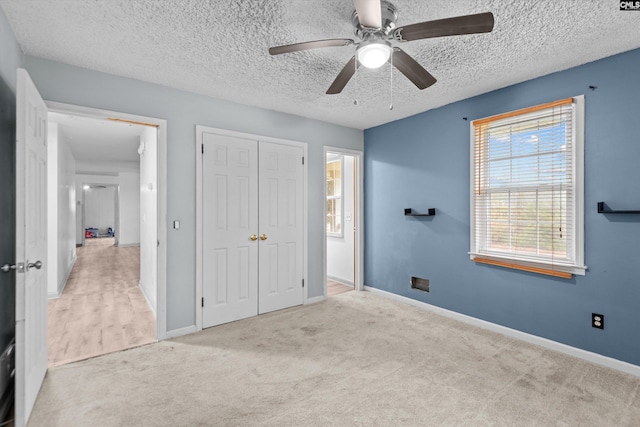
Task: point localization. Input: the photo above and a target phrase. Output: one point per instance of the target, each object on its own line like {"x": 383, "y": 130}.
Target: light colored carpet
{"x": 355, "y": 359}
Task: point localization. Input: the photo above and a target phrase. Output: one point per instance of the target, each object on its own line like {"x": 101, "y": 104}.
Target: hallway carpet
{"x": 102, "y": 308}
{"x": 356, "y": 359}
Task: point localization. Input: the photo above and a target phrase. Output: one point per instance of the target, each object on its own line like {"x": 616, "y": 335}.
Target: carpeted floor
{"x": 355, "y": 359}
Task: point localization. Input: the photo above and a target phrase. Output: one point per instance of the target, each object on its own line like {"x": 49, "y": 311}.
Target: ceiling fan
{"x": 374, "y": 24}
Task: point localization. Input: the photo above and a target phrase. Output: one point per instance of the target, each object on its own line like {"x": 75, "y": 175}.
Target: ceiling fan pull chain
{"x": 391, "y": 79}
{"x": 355, "y": 63}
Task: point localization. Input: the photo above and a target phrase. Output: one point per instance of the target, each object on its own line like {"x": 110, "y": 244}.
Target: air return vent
{"x": 420, "y": 284}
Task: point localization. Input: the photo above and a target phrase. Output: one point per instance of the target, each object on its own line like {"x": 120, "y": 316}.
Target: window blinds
{"x": 523, "y": 197}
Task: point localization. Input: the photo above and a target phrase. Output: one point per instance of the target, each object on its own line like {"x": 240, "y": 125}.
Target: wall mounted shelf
{"x": 604, "y": 209}
{"x": 410, "y": 212}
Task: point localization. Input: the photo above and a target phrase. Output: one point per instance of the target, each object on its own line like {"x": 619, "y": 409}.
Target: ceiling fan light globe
{"x": 374, "y": 55}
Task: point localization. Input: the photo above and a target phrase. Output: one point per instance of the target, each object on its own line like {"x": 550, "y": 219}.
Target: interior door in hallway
{"x": 230, "y": 228}
{"x": 31, "y": 246}
{"x": 281, "y": 226}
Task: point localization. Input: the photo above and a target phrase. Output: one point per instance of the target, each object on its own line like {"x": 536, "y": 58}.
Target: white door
{"x": 229, "y": 229}
{"x": 281, "y": 226}
{"x": 31, "y": 246}
{"x": 252, "y": 226}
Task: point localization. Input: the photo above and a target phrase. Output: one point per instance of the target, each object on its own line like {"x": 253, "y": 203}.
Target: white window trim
{"x": 341, "y": 197}
{"x": 578, "y": 178}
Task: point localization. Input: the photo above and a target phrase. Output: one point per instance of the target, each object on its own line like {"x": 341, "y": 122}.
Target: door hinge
{"x": 303, "y": 160}
{"x": 303, "y": 283}
{"x": 202, "y": 302}
{"x": 202, "y": 147}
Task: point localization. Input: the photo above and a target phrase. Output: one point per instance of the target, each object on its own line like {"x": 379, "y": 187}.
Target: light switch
{"x": 176, "y": 225}
{"x": 347, "y": 216}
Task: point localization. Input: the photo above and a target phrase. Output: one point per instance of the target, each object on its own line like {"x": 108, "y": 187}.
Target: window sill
{"x": 556, "y": 270}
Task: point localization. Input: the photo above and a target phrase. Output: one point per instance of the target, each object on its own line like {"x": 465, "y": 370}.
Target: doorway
{"x": 102, "y": 297}
{"x": 343, "y": 214}
{"x": 155, "y": 196}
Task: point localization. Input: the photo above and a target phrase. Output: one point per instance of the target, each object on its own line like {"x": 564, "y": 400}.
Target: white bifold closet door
{"x": 252, "y": 215}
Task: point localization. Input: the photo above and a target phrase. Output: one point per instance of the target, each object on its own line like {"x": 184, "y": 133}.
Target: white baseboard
{"x": 588, "y": 356}
{"x": 314, "y": 300}
{"x": 180, "y": 332}
{"x": 146, "y": 297}
{"x": 63, "y": 282}
{"x": 124, "y": 245}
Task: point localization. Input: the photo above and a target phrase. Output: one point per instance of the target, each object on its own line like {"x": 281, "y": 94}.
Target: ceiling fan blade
{"x": 411, "y": 69}
{"x": 468, "y": 24}
{"x": 296, "y": 47}
{"x": 369, "y": 13}
{"x": 343, "y": 77}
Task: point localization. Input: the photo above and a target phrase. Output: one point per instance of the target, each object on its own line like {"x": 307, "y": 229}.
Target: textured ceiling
{"x": 219, "y": 48}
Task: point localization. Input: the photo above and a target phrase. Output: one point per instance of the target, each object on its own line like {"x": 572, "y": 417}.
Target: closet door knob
{"x": 253, "y": 237}
{"x": 263, "y": 237}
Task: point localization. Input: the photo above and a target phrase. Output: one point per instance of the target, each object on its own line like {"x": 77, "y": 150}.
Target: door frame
{"x": 161, "y": 125}
{"x": 359, "y": 217}
{"x": 242, "y": 135}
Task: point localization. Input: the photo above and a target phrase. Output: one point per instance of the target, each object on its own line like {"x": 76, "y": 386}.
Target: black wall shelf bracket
{"x": 410, "y": 212}
{"x": 604, "y": 209}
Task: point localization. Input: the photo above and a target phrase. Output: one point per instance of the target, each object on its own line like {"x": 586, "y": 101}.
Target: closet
{"x": 252, "y": 226}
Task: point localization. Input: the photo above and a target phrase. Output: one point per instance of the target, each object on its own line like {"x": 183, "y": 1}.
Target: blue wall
{"x": 423, "y": 161}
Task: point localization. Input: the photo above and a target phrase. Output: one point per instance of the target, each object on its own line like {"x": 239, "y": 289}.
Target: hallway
{"x": 337, "y": 288}
{"x": 102, "y": 308}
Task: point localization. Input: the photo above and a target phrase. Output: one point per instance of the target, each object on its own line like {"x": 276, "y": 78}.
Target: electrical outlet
{"x": 597, "y": 320}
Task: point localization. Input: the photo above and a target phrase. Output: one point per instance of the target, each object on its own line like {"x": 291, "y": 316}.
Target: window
{"x": 334, "y": 197}
{"x": 527, "y": 189}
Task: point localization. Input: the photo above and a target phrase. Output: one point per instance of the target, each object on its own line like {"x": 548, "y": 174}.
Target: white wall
{"x": 126, "y": 222}
{"x": 66, "y": 213}
{"x": 100, "y": 208}
{"x": 61, "y": 211}
{"x": 148, "y": 216}
{"x": 340, "y": 256}
{"x": 80, "y": 180}
{"x": 129, "y": 233}
{"x": 52, "y": 207}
